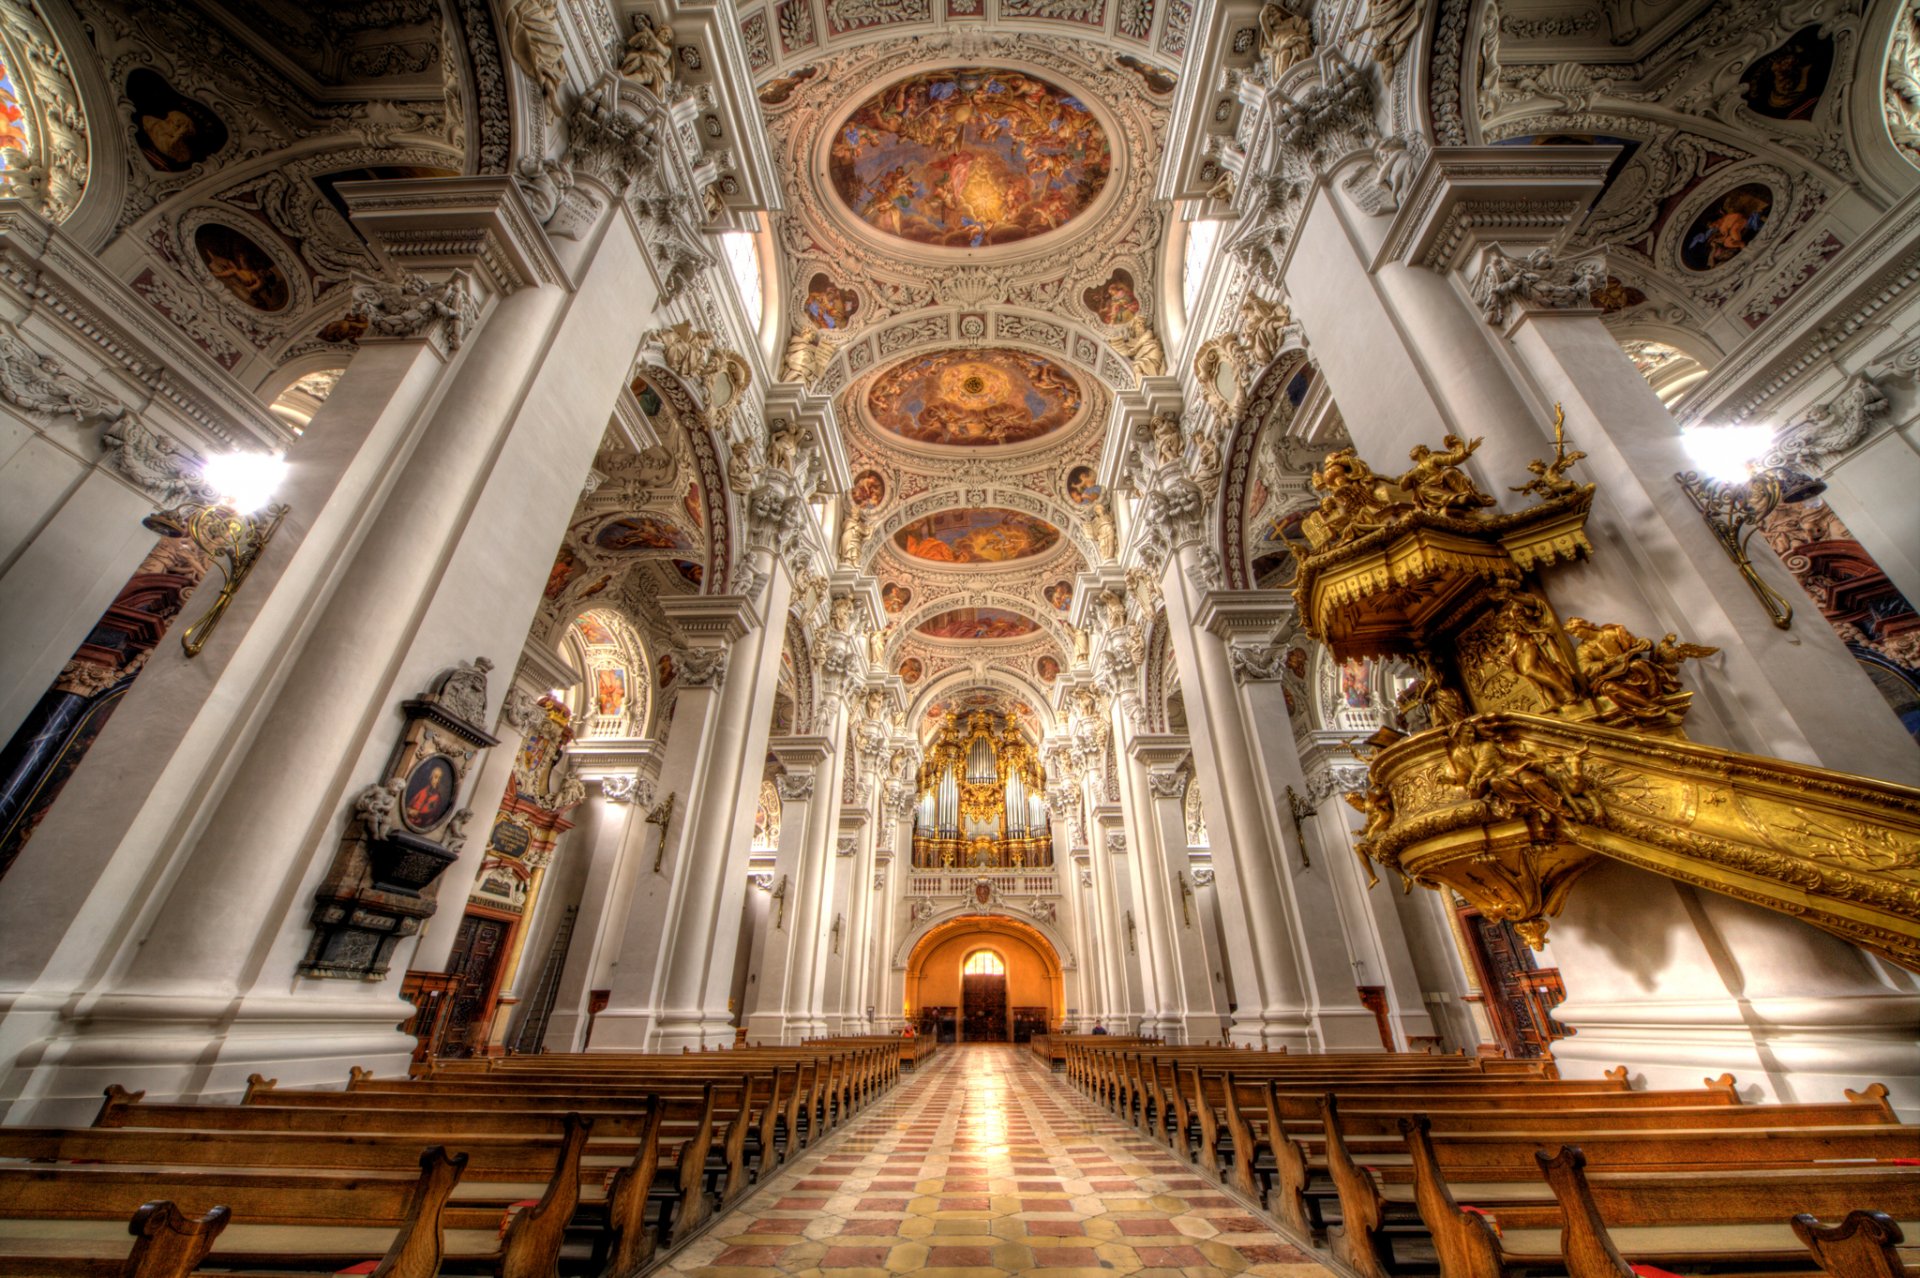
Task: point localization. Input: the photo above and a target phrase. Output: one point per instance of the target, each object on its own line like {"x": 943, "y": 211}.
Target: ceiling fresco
{"x": 974, "y": 398}
{"x": 976, "y": 537}
{"x": 970, "y": 624}
{"x": 969, "y": 158}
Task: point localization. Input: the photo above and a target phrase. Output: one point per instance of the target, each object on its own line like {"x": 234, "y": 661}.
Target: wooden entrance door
{"x": 478, "y": 948}
{"x": 1518, "y": 995}
{"x": 984, "y": 1008}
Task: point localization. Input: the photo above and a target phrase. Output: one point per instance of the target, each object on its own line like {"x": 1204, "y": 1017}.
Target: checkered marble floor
{"x": 984, "y": 1164}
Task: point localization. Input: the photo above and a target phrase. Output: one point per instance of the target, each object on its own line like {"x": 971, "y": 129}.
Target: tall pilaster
{"x": 777, "y": 1012}
{"x": 1161, "y": 758}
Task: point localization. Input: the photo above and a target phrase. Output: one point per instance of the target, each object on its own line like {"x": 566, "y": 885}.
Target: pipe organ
{"x": 980, "y": 797}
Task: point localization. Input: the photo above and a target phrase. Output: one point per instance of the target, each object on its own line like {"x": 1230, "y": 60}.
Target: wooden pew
{"x": 167, "y": 1244}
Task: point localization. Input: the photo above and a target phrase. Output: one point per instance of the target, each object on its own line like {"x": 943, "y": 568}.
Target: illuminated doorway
{"x": 983, "y": 998}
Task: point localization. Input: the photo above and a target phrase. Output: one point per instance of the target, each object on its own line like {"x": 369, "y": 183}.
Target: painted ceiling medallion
{"x": 974, "y": 398}
{"x": 969, "y": 158}
{"x": 976, "y": 537}
{"x": 978, "y": 623}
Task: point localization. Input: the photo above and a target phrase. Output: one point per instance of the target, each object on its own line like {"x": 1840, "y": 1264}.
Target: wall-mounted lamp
{"x": 1735, "y": 495}
{"x": 232, "y": 531}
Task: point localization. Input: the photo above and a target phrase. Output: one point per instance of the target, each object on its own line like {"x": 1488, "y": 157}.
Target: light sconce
{"x": 232, "y": 530}
{"x": 1735, "y": 495}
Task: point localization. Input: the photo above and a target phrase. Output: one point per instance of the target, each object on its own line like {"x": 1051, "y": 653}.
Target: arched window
{"x": 742, "y": 250}
{"x": 984, "y": 963}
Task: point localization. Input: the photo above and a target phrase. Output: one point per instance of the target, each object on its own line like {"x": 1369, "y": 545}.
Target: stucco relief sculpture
{"x": 648, "y": 57}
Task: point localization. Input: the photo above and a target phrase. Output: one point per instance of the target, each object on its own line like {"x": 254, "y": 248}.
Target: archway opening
{"x": 984, "y": 979}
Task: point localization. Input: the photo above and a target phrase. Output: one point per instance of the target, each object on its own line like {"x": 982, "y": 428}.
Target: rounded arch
{"x": 1014, "y": 684}
{"x": 1050, "y": 626}
{"x": 1073, "y": 534}
{"x": 933, "y": 960}
{"x": 616, "y": 696}
{"x": 688, "y": 413}
{"x": 1268, "y": 405}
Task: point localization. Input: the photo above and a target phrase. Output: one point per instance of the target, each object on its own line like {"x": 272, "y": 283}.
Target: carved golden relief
{"x": 1541, "y": 747}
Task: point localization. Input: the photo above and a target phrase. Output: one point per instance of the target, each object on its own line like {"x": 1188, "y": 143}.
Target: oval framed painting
{"x": 429, "y": 793}
{"x": 1726, "y": 227}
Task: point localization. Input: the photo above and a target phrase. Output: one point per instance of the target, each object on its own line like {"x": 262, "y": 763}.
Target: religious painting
{"x": 696, "y": 512}
{"x": 13, "y": 132}
{"x": 869, "y": 491}
{"x": 1114, "y": 302}
{"x": 1159, "y": 83}
{"x": 828, "y": 305}
{"x": 609, "y": 692}
{"x": 1786, "y": 84}
{"x": 1354, "y": 691}
{"x": 649, "y": 398}
{"x": 894, "y": 597}
{"x": 1614, "y": 295}
{"x": 976, "y": 537}
{"x": 911, "y": 669}
{"x": 348, "y": 329}
{"x": 690, "y": 572}
{"x": 1059, "y": 595}
{"x": 641, "y": 532}
{"x": 978, "y": 623}
{"x": 565, "y": 565}
{"x": 970, "y": 399}
{"x": 1082, "y": 489}
{"x": 664, "y": 670}
{"x": 428, "y": 794}
{"x": 1726, "y": 227}
{"x": 969, "y": 158}
{"x": 242, "y": 266}
{"x": 1048, "y": 668}
{"x": 774, "y": 92}
{"x": 595, "y": 633}
{"x": 173, "y": 131}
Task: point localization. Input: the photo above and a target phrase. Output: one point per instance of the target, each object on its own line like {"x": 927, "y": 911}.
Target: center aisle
{"x": 985, "y": 1164}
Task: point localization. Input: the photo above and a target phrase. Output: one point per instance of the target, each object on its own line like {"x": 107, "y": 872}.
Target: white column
{"x": 600, "y": 838}
{"x": 1187, "y": 951}
{"x": 845, "y": 996}
{"x": 776, "y": 1007}
{"x": 1159, "y": 851}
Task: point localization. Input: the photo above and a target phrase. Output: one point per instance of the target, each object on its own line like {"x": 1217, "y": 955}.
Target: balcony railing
{"x": 1008, "y": 883}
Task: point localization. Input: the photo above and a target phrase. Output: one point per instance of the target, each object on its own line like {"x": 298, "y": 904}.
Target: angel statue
{"x": 853, "y": 538}
{"x": 648, "y": 60}
{"x": 1285, "y": 38}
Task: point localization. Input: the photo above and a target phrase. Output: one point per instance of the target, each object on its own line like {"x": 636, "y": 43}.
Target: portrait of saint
{"x": 828, "y": 305}
{"x": 664, "y": 670}
{"x": 978, "y": 623}
{"x": 641, "y": 532}
{"x": 1726, "y": 227}
{"x": 242, "y": 266}
{"x": 969, "y": 158}
{"x": 976, "y": 537}
{"x": 609, "y": 692}
{"x": 696, "y": 513}
{"x": 910, "y": 670}
{"x": 1353, "y": 684}
{"x": 778, "y": 90}
{"x": 895, "y": 598}
{"x": 974, "y": 398}
{"x": 1048, "y": 668}
{"x": 1786, "y": 84}
{"x": 173, "y": 131}
{"x": 1082, "y": 490}
{"x": 428, "y": 794}
{"x": 869, "y": 490}
{"x": 1059, "y": 594}
{"x": 690, "y": 572}
{"x": 649, "y": 398}
{"x": 1114, "y": 301}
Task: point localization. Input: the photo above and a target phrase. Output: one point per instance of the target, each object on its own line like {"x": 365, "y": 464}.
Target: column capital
{"x": 801, "y": 753}
{"x": 1159, "y": 749}
{"x": 711, "y": 620}
{"x": 1465, "y": 197}
{"x": 482, "y": 225}
{"x": 1240, "y": 614}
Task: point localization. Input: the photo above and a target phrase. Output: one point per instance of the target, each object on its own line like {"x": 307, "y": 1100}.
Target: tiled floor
{"x": 984, "y": 1164}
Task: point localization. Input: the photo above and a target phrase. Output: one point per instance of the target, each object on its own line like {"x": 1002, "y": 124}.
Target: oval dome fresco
{"x": 976, "y": 537}
{"x": 969, "y": 158}
{"x": 974, "y": 398}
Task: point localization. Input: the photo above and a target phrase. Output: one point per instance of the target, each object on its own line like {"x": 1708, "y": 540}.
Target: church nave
{"x": 983, "y": 1164}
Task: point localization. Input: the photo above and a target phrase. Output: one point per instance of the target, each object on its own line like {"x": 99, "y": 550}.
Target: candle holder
{"x": 232, "y": 541}
{"x": 1735, "y": 511}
